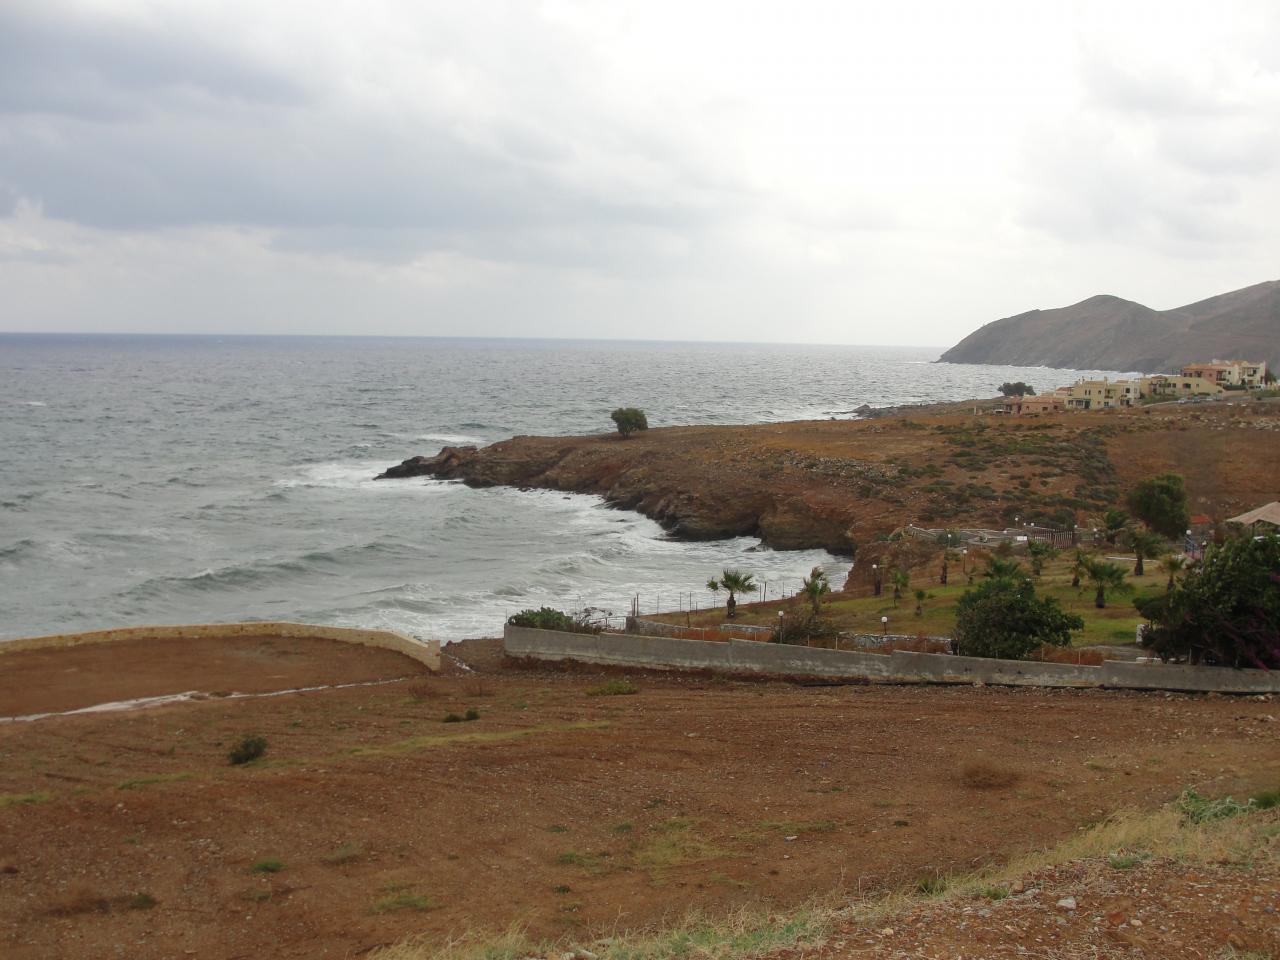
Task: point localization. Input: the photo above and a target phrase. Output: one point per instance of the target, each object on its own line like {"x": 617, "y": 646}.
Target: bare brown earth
{"x": 129, "y": 834}
{"x": 839, "y": 483}
{"x": 48, "y": 680}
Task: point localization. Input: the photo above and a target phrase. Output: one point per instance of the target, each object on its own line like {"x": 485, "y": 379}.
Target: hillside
{"x": 1109, "y": 333}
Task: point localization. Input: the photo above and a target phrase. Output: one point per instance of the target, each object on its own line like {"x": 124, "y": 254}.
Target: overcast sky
{"x": 845, "y": 172}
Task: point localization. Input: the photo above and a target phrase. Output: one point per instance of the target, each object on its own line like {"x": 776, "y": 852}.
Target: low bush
{"x": 249, "y": 748}
{"x": 546, "y": 618}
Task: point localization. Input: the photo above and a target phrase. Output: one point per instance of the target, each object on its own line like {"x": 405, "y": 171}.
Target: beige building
{"x": 1172, "y": 387}
{"x": 1046, "y": 403}
{"x": 1101, "y": 394}
{"x": 1228, "y": 373}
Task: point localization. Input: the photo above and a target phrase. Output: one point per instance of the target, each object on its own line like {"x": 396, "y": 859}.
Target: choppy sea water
{"x": 185, "y": 479}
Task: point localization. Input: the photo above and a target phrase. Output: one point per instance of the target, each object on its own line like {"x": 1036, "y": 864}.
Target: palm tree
{"x": 736, "y": 582}
{"x": 948, "y": 556}
{"x": 1173, "y": 563}
{"x": 921, "y": 597}
{"x": 901, "y": 581}
{"x": 1144, "y": 543}
{"x": 999, "y": 568}
{"x": 1114, "y": 521}
{"x": 1038, "y": 551}
{"x": 815, "y": 587}
{"x": 1106, "y": 576}
{"x": 1078, "y": 567}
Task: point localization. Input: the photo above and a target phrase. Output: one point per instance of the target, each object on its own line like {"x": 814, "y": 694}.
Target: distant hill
{"x": 1108, "y": 333}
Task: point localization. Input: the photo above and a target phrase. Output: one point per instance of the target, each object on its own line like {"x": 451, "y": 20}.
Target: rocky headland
{"x": 838, "y": 483}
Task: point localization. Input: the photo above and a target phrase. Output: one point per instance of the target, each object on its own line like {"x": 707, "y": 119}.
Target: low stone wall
{"x": 426, "y": 652}
{"x": 773, "y": 659}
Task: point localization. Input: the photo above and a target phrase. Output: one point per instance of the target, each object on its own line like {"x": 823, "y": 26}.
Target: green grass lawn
{"x": 1116, "y": 624}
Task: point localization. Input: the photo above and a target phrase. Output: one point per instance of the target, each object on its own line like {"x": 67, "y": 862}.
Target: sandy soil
{"x": 130, "y": 834}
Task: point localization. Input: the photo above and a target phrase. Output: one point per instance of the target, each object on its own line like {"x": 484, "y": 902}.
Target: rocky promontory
{"x": 838, "y": 483}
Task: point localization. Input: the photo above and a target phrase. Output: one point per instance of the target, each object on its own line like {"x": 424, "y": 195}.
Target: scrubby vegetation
{"x": 546, "y": 618}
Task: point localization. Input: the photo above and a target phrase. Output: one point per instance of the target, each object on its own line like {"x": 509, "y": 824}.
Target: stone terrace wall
{"x": 426, "y": 652}
{"x": 750, "y": 656}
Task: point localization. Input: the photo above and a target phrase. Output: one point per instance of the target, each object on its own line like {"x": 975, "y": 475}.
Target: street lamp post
{"x": 781, "y": 623}
{"x": 875, "y": 576}
{"x": 884, "y": 626}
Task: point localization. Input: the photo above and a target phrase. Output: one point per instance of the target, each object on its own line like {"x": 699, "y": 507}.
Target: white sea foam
{"x": 451, "y": 438}
{"x": 346, "y": 475}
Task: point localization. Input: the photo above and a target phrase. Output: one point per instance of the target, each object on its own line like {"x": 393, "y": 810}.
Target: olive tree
{"x": 629, "y": 420}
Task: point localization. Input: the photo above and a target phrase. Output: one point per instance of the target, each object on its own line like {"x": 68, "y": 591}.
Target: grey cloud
{"x": 262, "y": 150}
{"x": 55, "y": 60}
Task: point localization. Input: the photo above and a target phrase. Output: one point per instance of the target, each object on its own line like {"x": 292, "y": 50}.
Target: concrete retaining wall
{"x": 1160, "y": 676}
{"x": 426, "y": 652}
{"x": 750, "y": 656}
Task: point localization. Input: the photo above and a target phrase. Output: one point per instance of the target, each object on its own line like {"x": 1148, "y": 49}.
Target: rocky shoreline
{"x": 835, "y": 484}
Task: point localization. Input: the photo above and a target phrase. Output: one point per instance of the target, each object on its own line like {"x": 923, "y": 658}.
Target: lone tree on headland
{"x": 1018, "y": 389}
{"x": 1161, "y": 502}
{"x": 629, "y": 420}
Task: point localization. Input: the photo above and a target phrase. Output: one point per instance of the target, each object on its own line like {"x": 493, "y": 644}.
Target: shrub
{"x": 249, "y": 748}
{"x": 1005, "y": 619}
{"x": 452, "y": 718}
{"x": 269, "y": 865}
{"x": 471, "y": 714}
{"x": 545, "y": 618}
{"x": 628, "y": 420}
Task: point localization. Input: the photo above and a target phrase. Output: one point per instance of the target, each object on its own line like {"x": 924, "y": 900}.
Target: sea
{"x": 185, "y": 479}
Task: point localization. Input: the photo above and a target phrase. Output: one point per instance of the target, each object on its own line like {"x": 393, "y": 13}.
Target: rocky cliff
{"x": 1108, "y": 333}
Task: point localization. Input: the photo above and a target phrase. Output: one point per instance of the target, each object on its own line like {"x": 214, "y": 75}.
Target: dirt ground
{"x": 561, "y": 806}
{"x": 48, "y": 680}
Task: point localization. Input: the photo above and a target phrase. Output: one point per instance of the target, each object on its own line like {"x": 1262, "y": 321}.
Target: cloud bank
{"x": 819, "y": 172}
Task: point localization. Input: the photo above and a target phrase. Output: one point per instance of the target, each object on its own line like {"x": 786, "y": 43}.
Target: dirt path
{"x": 370, "y": 819}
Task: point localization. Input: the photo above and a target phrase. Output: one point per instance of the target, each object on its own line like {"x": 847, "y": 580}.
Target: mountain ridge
{"x": 1107, "y": 332}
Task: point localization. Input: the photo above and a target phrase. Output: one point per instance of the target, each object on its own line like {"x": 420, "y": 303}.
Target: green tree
{"x": 1225, "y": 610}
{"x": 1114, "y": 522}
{"x": 735, "y": 582}
{"x": 1105, "y": 577}
{"x": 629, "y": 420}
{"x": 921, "y": 597}
{"x": 1004, "y": 618}
{"x": 815, "y": 587}
{"x": 1017, "y": 389}
{"x": 901, "y": 580}
{"x": 1038, "y": 551}
{"x": 1144, "y": 543}
{"x": 1161, "y": 503}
